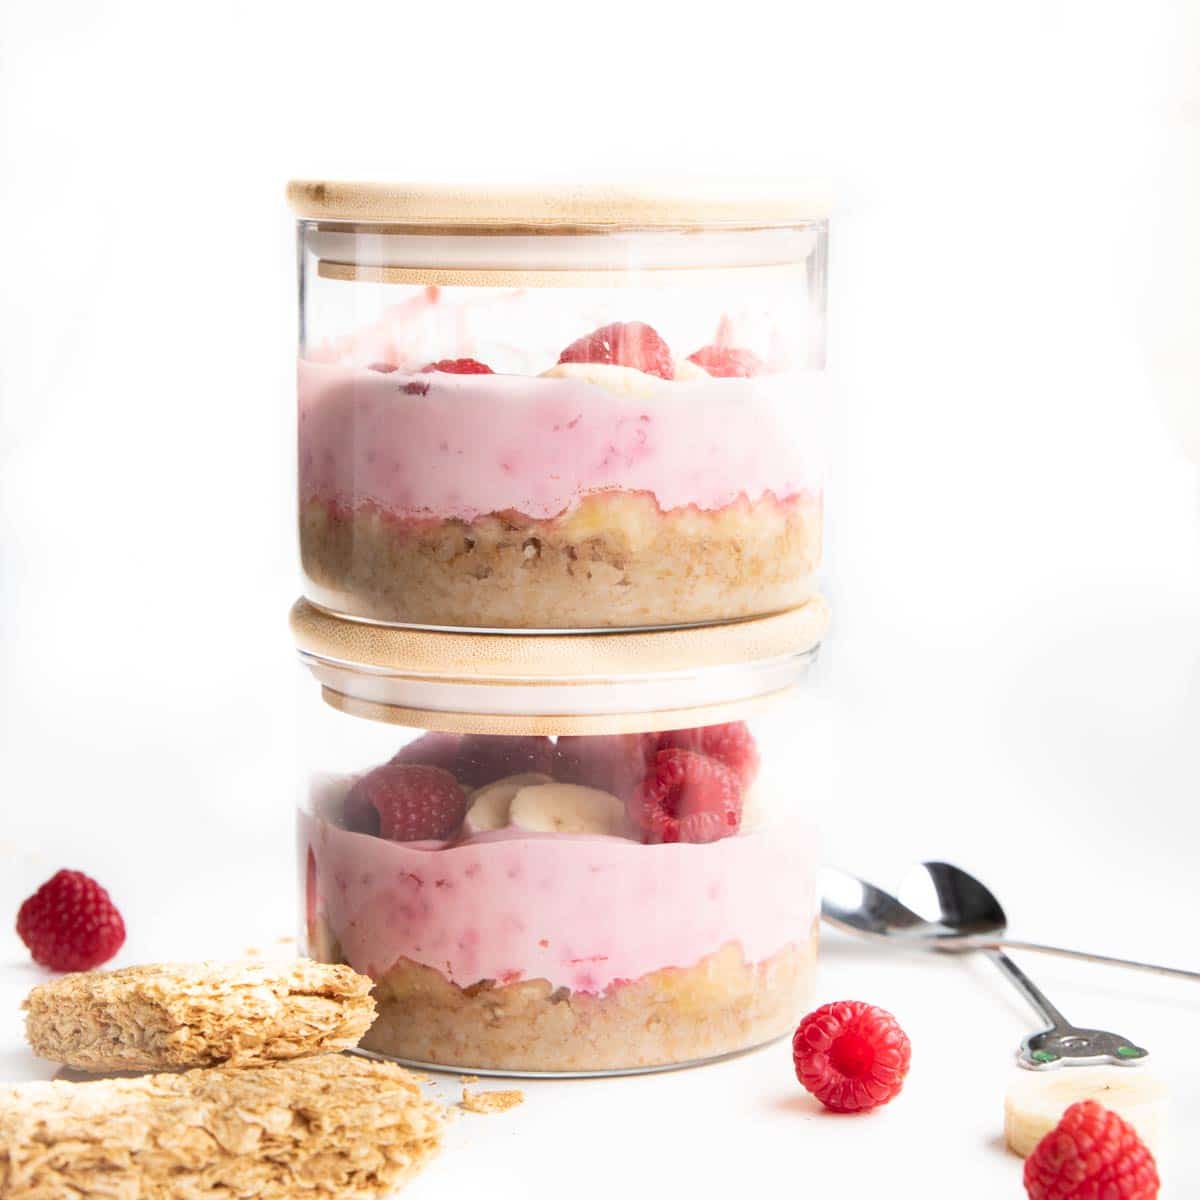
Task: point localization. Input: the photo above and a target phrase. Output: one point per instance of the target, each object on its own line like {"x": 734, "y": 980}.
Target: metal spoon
{"x": 852, "y": 904}
{"x": 970, "y": 918}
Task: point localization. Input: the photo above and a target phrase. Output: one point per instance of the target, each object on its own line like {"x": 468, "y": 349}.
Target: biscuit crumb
{"x": 490, "y": 1102}
{"x": 468, "y": 1079}
{"x": 284, "y": 941}
{"x": 253, "y": 952}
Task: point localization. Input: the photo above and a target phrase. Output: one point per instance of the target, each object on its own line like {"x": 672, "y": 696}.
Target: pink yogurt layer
{"x": 582, "y": 912}
{"x": 446, "y": 446}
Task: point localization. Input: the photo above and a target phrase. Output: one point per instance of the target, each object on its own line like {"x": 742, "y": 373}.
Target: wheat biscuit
{"x": 330, "y": 1126}
{"x": 197, "y": 1015}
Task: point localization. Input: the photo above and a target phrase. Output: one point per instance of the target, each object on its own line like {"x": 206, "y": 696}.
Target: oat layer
{"x": 196, "y": 1015}
{"x": 615, "y": 561}
{"x": 330, "y": 1126}
{"x": 674, "y": 1015}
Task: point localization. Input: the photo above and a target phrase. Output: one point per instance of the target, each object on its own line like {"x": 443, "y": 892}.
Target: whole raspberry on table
{"x": 415, "y": 803}
{"x": 728, "y": 361}
{"x": 1091, "y": 1154}
{"x": 70, "y": 923}
{"x": 459, "y": 366}
{"x": 623, "y": 344}
{"x": 485, "y": 757}
{"x": 731, "y": 744}
{"x": 686, "y": 797}
{"x": 852, "y": 1056}
{"x": 612, "y": 762}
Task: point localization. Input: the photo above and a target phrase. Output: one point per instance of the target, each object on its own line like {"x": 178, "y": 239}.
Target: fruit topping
{"x": 459, "y": 366}
{"x": 485, "y": 757}
{"x": 731, "y": 744}
{"x": 415, "y": 803}
{"x": 70, "y": 923}
{"x": 567, "y": 808}
{"x": 490, "y": 806}
{"x": 614, "y": 763}
{"x": 432, "y": 750}
{"x": 728, "y": 361}
{"x": 852, "y": 1056}
{"x": 624, "y": 344}
{"x": 686, "y": 797}
{"x": 1091, "y": 1154}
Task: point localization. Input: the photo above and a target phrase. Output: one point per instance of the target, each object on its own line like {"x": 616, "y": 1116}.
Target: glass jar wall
{"x": 542, "y": 412}
{"x": 573, "y": 892}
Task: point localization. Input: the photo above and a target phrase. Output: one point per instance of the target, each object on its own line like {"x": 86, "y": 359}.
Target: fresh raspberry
{"x": 628, "y": 344}
{"x": 415, "y": 803}
{"x": 459, "y": 366}
{"x": 1091, "y": 1154}
{"x": 70, "y": 923}
{"x": 731, "y": 744}
{"x": 686, "y": 797}
{"x": 432, "y": 750}
{"x": 852, "y": 1056}
{"x": 615, "y": 763}
{"x": 485, "y": 757}
{"x": 728, "y": 361}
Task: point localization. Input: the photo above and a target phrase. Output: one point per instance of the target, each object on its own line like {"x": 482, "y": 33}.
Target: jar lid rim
{"x": 675, "y": 202}
{"x": 556, "y": 657}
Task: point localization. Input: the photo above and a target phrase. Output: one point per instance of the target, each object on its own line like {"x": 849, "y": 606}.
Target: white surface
{"x": 1014, "y": 678}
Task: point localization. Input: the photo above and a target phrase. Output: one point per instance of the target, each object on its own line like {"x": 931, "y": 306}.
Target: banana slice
{"x": 491, "y": 804}
{"x": 686, "y": 370}
{"x": 567, "y": 808}
{"x": 621, "y": 381}
{"x": 1036, "y": 1101}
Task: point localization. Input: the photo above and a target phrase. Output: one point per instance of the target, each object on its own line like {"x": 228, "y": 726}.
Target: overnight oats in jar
{"x": 571, "y": 863}
{"x": 549, "y": 411}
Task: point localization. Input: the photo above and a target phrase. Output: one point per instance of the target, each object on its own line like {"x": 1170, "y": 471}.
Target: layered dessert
{"x": 586, "y": 904}
{"x": 608, "y": 481}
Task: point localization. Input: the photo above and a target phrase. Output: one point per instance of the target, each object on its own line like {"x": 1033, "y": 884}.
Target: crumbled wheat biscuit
{"x": 199, "y": 1015}
{"x": 490, "y": 1102}
{"x": 330, "y": 1126}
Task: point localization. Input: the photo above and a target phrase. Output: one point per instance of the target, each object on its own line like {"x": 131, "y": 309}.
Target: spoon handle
{"x": 1177, "y": 972}
{"x": 1029, "y": 989}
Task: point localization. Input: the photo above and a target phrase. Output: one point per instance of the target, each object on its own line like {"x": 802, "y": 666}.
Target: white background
{"x": 1013, "y": 678}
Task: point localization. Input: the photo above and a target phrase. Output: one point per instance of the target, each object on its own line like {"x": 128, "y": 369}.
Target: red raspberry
{"x": 731, "y": 744}
{"x": 615, "y": 763}
{"x": 432, "y": 750}
{"x": 728, "y": 361}
{"x": 687, "y": 797}
{"x": 1091, "y": 1154}
{"x": 852, "y": 1056}
{"x": 415, "y": 803}
{"x": 70, "y": 923}
{"x": 459, "y": 366}
{"x": 630, "y": 344}
{"x": 486, "y": 757}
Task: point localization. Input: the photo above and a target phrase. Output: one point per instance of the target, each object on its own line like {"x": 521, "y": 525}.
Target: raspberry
{"x": 613, "y": 763}
{"x": 486, "y": 757}
{"x": 1091, "y": 1154}
{"x": 432, "y": 750}
{"x": 415, "y": 803}
{"x": 731, "y": 744}
{"x": 728, "y": 361}
{"x": 686, "y": 797}
{"x": 70, "y": 923}
{"x": 852, "y": 1056}
{"x": 459, "y": 366}
{"x": 631, "y": 344}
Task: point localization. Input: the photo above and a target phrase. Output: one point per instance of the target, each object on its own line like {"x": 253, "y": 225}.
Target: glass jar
{"x": 592, "y": 855}
{"x": 559, "y": 410}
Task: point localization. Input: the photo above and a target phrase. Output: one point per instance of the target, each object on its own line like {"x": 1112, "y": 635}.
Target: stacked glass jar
{"x": 561, "y": 462}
